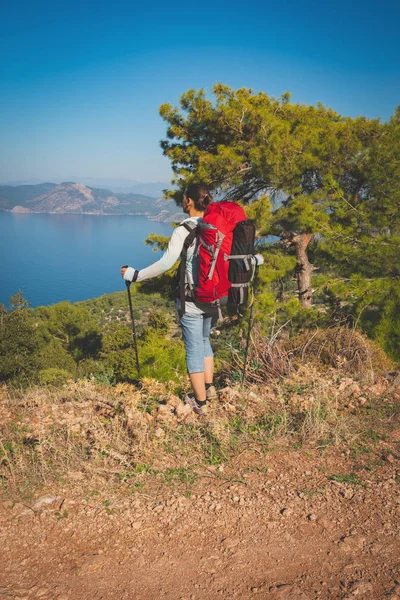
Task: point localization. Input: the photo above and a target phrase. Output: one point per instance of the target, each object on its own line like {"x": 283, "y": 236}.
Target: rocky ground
{"x": 284, "y": 525}
{"x": 288, "y": 491}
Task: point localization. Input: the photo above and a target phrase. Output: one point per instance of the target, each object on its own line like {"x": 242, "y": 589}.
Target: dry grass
{"x": 84, "y": 431}
{"x": 346, "y": 350}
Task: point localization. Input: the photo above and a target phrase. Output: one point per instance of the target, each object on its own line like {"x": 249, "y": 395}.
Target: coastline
{"x": 160, "y": 218}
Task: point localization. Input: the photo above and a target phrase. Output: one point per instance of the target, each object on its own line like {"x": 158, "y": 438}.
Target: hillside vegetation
{"x": 326, "y": 301}
{"x": 76, "y": 198}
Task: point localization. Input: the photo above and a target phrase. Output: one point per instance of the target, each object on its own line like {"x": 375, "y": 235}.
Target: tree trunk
{"x": 304, "y": 268}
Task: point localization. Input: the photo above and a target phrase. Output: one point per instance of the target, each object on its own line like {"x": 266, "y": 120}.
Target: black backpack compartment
{"x": 241, "y": 270}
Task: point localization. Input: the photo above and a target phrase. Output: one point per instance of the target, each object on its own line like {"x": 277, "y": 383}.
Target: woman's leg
{"x": 199, "y": 387}
{"x": 192, "y": 334}
{"x": 209, "y": 369}
{"x": 208, "y": 352}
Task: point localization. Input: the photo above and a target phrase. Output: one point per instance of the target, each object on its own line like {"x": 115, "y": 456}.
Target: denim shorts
{"x": 195, "y": 332}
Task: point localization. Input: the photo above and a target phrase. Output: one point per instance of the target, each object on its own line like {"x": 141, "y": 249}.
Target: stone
{"x": 57, "y": 501}
{"x": 183, "y": 411}
{"x": 312, "y": 517}
{"x": 230, "y": 542}
{"x": 347, "y": 493}
{"x": 352, "y": 543}
{"x": 362, "y": 589}
{"x": 290, "y": 592}
{"x": 164, "y": 411}
{"x": 91, "y": 562}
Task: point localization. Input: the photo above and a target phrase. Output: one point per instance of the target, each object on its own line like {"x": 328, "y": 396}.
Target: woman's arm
{"x": 167, "y": 260}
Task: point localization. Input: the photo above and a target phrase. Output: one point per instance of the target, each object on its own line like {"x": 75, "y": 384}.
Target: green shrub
{"x": 53, "y": 355}
{"x": 162, "y": 358}
{"x": 54, "y": 377}
{"x": 106, "y": 378}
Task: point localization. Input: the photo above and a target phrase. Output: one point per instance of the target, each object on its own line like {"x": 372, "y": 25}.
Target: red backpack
{"x": 220, "y": 275}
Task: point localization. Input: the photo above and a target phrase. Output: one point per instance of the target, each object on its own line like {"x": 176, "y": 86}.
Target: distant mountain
{"x": 77, "y": 198}
{"x": 33, "y": 181}
{"x": 125, "y": 186}
{"x": 115, "y": 184}
{"x": 11, "y": 196}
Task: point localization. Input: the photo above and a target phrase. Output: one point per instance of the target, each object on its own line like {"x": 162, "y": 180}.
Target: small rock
{"x": 390, "y": 458}
{"x": 347, "y": 493}
{"x": 312, "y": 517}
{"x": 46, "y": 500}
{"x": 91, "y": 562}
{"x": 352, "y": 543}
{"x": 353, "y": 567}
{"x": 362, "y": 588}
{"x": 183, "y": 410}
{"x": 286, "y": 512}
{"x": 159, "y": 433}
{"x": 230, "y": 542}
{"x": 376, "y": 548}
{"x": 378, "y": 389}
{"x": 290, "y": 592}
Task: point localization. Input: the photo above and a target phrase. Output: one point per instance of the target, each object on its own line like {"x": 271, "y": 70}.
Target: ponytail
{"x": 200, "y": 195}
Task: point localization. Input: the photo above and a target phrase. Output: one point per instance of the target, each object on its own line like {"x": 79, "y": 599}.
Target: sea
{"x": 52, "y": 258}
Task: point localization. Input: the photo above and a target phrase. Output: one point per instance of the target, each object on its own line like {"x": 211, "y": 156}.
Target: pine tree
{"x": 245, "y": 145}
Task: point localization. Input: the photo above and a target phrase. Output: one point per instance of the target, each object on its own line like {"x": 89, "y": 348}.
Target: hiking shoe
{"x": 211, "y": 393}
{"x": 190, "y": 399}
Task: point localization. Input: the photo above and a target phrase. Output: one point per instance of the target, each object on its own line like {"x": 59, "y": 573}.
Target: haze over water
{"x": 51, "y": 258}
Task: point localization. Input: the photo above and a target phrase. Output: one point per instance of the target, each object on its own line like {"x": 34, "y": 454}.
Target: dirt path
{"x": 287, "y": 525}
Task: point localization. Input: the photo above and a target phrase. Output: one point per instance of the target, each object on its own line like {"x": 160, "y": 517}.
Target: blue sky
{"x": 81, "y": 83}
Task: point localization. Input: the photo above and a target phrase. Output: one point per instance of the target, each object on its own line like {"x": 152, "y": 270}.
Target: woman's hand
{"x": 129, "y": 273}
{"x": 259, "y": 259}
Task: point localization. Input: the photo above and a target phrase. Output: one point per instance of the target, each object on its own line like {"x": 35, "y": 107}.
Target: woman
{"x": 198, "y": 318}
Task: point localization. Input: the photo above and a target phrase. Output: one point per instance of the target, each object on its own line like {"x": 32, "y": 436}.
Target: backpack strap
{"x": 248, "y": 259}
{"x": 192, "y": 228}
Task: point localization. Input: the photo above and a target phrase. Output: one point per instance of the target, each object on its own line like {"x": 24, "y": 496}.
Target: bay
{"x": 52, "y": 258}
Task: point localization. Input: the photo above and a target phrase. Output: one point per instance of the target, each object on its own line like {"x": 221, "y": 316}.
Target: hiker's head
{"x": 196, "y": 196}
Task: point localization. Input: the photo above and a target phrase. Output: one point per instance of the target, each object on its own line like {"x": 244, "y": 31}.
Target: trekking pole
{"x": 250, "y": 325}
{"x": 128, "y": 288}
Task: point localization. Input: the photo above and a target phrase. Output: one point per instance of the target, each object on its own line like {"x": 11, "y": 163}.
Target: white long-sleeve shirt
{"x": 172, "y": 253}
